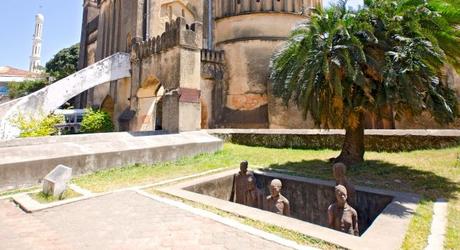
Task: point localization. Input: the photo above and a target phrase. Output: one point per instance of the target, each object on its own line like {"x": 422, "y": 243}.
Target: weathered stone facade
{"x": 196, "y": 63}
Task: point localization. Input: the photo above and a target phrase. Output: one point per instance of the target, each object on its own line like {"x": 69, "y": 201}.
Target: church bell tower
{"x": 37, "y": 44}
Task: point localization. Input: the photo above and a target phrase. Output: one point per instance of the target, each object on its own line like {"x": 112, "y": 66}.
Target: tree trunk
{"x": 353, "y": 146}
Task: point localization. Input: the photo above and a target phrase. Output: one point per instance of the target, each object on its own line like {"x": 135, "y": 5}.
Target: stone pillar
{"x": 90, "y": 12}
{"x": 136, "y": 72}
{"x": 181, "y": 104}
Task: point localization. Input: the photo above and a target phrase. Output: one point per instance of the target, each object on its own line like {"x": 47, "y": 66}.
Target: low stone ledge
{"x": 77, "y": 138}
{"x": 375, "y": 140}
{"x": 22, "y": 166}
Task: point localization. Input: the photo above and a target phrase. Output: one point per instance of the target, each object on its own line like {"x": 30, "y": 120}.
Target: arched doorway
{"x": 108, "y": 105}
{"x": 159, "y": 113}
{"x": 149, "y": 112}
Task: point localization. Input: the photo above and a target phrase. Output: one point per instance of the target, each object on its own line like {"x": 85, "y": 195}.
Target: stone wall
{"x": 249, "y": 43}
{"x": 286, "y": 117}
{"x": 220, "y": 188}
{"x": 166, "y": 11}
{"x": 375, "y": 140}
{"x": 225, "y": 8}
{"x": 235, "y": 89}
{"x": 172, "y": 62}
{"x": 107, "y": 28}
{"x": 212, "y": 94}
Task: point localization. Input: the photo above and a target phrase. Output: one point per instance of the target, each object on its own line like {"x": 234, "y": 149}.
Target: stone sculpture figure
{"x": 276, "y": 202}
{"x": 240, "y": 184}
{"x": 341, "y": 216}
{"x": 339, "y": 171}
{"x": 254, "y": 197}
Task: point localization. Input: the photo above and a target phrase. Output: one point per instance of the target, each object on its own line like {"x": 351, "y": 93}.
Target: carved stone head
{"x": 275, "y": 187}
{"x": 339, "y": 171}
{"x": 244, "y": 167}
{"x": 341, "y": 194}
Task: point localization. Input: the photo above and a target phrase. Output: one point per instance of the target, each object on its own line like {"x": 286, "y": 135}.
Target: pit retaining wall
{"x": 309, "y": 198}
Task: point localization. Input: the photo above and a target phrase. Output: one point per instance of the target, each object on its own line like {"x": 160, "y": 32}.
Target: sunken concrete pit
{"x": 384, "y": 215}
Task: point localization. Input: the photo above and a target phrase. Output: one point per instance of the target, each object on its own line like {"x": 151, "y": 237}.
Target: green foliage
{"x": 33, "y": 127}
{"x": 45, "y": 198}
{"x": 450, "y": 9}
{"x": 20, "y": 89}
{"x": 440, "y": 19}
{"x": 96, "y": 121}
{"x": 64, "y": 63}
{"x": 346, "y": 63}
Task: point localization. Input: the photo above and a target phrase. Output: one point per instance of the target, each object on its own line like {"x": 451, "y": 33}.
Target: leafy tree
{"x": 64, "y": 63}
{"x": 96, "y": 121}
{"x": 20, "y": 89}
{"x": 346, "y": 63}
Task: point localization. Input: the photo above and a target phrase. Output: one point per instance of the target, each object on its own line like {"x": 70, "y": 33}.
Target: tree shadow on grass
{"x": 380, "y": 174}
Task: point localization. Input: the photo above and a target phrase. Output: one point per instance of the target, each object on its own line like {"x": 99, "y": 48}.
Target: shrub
{"x": 33, "y": 127}
{"x": 20, "y": 89}
{"x": 96, "y": 121}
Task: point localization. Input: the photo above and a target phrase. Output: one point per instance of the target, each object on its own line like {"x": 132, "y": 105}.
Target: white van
{"x": 72, "y": 120}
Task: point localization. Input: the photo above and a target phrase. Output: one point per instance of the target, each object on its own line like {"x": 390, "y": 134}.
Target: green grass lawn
{"x": 453, "y": 227}
{"x": 430, "y": 173}
{"x": 419, "y": 228}
{"x": 228, "y": 158}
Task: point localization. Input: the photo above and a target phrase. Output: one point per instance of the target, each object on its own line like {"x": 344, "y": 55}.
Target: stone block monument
{"x": 55, "y": 183}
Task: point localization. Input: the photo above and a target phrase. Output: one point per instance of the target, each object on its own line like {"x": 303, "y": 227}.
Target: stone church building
{"x": 194, "y": 63}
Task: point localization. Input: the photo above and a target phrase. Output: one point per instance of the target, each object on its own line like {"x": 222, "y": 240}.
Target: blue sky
{"x": 17, "y": 18}
{"x": 353, "y": 3}
{"x": 61, "y": 29}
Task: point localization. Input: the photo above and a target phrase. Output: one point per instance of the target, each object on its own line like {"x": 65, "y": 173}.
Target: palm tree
{"x": 444, "y": 25}
{"x": 449, "y": 9}
{"x": 343, "y": 64}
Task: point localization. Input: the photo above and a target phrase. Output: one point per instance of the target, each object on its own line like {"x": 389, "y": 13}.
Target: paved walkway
{"x": 125, "y": 220}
